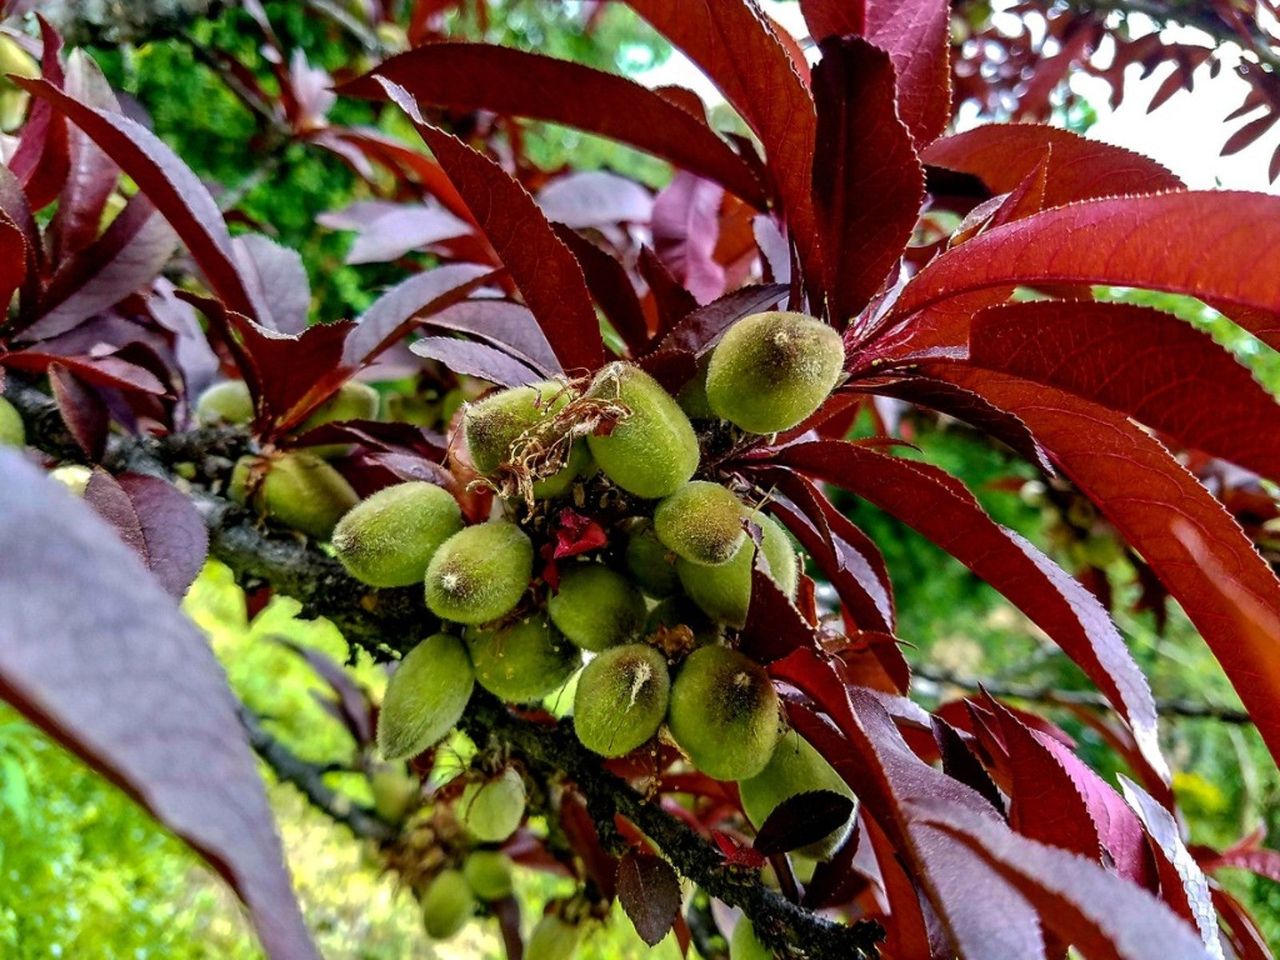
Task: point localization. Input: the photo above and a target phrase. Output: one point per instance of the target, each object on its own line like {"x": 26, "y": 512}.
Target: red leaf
{"x": 106, "y": 371}
{"x": 165, "y": 729}
{"x": 611, "y": 287}
{"x": 737, "y": 854}
{"x": 577, "y": 534}
{"x": 1245, "y": 937}
{"x": 471, "y": 76}
{"x": 686, "y": 226}
{"x": 940, "y": 508}
{"x": 168, "y": 182}
{"x": 40, "y": 160}
{"x": 1184, "y": 534}
{"x": 13, "y": 261}
{"x": 1002, "y": 155}
{"x": 1149, "y": 365}
{"x": 802, "y": 819}
{"x": 91, "y": 174}
{"x": 774, "y": 627}
{"x": 477, "y": 360}
{"x": 1259, "y": 860}
{"x": 83, "y": 411}
{"x": 649, "y": 891}
{"x": 701, "y": 328}
{"x": 668, "y": 298}
{"x": 541, "y": 266}
{"x": 868, "y": 185}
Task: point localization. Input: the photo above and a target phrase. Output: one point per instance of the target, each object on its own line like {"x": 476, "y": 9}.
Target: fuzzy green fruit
{"x": 493, "y": 424}
{"x": 388, "y": 539}
{"x": 621, "y": 699}
{"x": 724, "y": 592}
{"x": 425, "y": 697}
{"x": 744, "y": 945}
{"x": 489, "y": 873}
{"x": 226, "y": 402}
{"x": 491, "y": 810}
{"x": 553, "y": 939}
{"x": 447, "y": 905}
{"x": 681, "y": 612}
{"x": 480, "y": 573}
{"x": 651, "y": 564}
{"x": 12, "y": 431}
{"x": 772, "y": 370}
{"x": 653, "y": 450}
{"x": 596, "y": 607}
{"x": 701, "y": 523}
{"x": 524, "y": 661}
{"x": 297, "y": 489}
{"x": 693, "y": 395}
{"x": 353, "y": 401}
{"x": 395, "y": 792}
{"x": 724, "y": 713}
{"x": 795, "y": 767}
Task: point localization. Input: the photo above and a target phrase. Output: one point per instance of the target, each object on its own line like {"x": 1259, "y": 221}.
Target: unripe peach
{"x": 621, "y": 699}
{"x": 772, "y": 370}
{"x": 491, "y": 425}
{"x": 553, "y": 939}
{"x": 226, "y": 402}
{"x": 395, "y": 792}
{"x": 680, "y": 611}
{"x": 353, "y": 401}
{"x": 297, "y": 489}
{"x": 650, "y": 564}
{"x": 388, "y": 539}
{"x": 796, "y": 767}
{"x": 491, "y": 810}
{"x": 596, "y": 607}
{"x": 724, "y": 713}
{"x": 489, "y": 873}
{"x": 447, "y": 905}
{"x": 12, "y": 431}
{"x": 724, "y": 592}
{"x": 701, "y": 523}
{"x": 652, "y": 450}
{"x": 480, "y": 573}
{"x": 523, "y": 661}
{"x": 425, "y": 697}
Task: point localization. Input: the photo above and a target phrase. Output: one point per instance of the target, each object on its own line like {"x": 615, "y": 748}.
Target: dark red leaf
{"x": 701, "y": 328}
{"x": 13, "y": 261}
{"x": 686, "y": 226}
{"x": 354, "y": 707}
{"x": 83, "y": 411}
{"x": 668, "y": 298}
{"x": 165, "y": 729}
{"x": 737, "y": 854}
{"x": 91, "y": 174}
{"x": 803, "y": 819}
{"x": 1245, "y": 937}
{"x": 580, "y": 830}
{"x": 576, "y": 533}
{"x": 476, "y": 360}
{"x": 508, "y": 913}
{"x": 503, "y": 324}
{"x": 542, "y": 267}
{"x": 868, "y": 185}
{"x": 471, "y": 76}
{"x": 649, "y": 891}
{"x": 40, "y": 159}
{"x": 917, "y": 35}
{"x": 611, "y": 288}
{"x": 105, "y": 371}
{"x": 774, "y": 627}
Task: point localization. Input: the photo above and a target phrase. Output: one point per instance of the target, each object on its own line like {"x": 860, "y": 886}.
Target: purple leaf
{"x": 803, "y": 819}
{"x": 500, "y": 323}
{"x": 649, "y": 891}
{"x": 595, "y": 198}
{"x": 476, "y": 360}
{"x": 83, "y": 411}
{"x": 701, "y": 328}
{"x": 276, "y": 281}
{"x": 387, "y": 231}
{"x": 91, "y": 174}
{"x": 686, "y": 226}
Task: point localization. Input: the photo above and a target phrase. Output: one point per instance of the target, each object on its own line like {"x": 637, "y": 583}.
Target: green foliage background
{"x": 85, "y": 874}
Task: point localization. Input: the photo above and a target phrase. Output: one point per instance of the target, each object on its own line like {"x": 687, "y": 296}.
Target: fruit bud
{"x": 395, "y": 792}
{"x": 480, "y": 573}
{"x": 596, "y": 607}
{"x": 447, "y": 905}
{"x": 491, "y": 810}
{"x": 226, "y": 402}
{"x": 701, "y": 523}
{"x": 425, "y": 697}
{"x": 389, "y": 539}
{"x": 297, "y": 489}
{"x": 621, "y": 699}
{"x": 724, "y": 592}
{"x": 773, "y": 370}
{"x": 489, "y": 874}
{"x": 523, "y": 661}
{"x": 724, "y": 713}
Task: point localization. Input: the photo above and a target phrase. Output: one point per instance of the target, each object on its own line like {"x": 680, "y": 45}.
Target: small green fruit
{"x": 772, "y": 370}
{"x": 701, "y": 523}
{"x": 724, "y": 713}
{"x": 795, "y": 767}
{"x": 353, "y": 401}
{"x": 596, "y": 607}
{"x": 480, "y": 573}
{"x": 226, "y": 402}
{"x": 491, "y": 810}
{"x": 621, "y": 699}
{"x": 578, "y": 465}
{"x": 493, "y": 424}
{"x": 425, "y": 697}
{"x": 524, "y": 661}
{"x": 73, "y": 476}
{"x": 651, "y": 564}
{"x": 12, "y": 431}
{"x": 653, "y": 450}
{"x": 489, "y": 873}
{"x": 395, "y": 792}
{"x": 553, "y": 939}
{"x": 744, "y": 945}
{"x": 388, "y": 539}
{"x": 724, "y": 592}
{"x": 297, "y": 489}
{"x": 693, "y": 395}
{"x": 447, "y": 905}
{"x": 681, "y": 612}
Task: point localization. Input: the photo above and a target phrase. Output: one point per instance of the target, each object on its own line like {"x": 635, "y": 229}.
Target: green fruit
{"x": 701, "y": 522}
{"x": 493, "y": 424}
{"x": 524, "y": 661}
{"x": 693, "y": 395}
{"x": 680, "y": 612}
{"x": 73, "y": 476}
{"x": 652, "y": 451}
{"x": 388, "y": 539}
{"x": 621, "y": 699}
{"x": 650, "y": 563}
{"x": 772, "y": 370}
{"x": 489, "y": 873}
{"x": 491, "y": 810}
{"x": 297, "y": 489}
{"x": 596, "y": 607}
{"x": 744, "y": 945}
{"x": 724, "y": 592}
{"x": 578, "y": 465}
{"x": 480, "y": 573}
{"x": 795, "y": 767}
{"x": 724, "y": 713}
{"x": 425, "y": 697}
{"x": 395, "y": 792}
{"x": 447, "y": 905}
{"x": 12, "y": 432}
{"x": 353, "y": 401}
{"x": 226, "y": 402}
{"x": 553, "y": 939}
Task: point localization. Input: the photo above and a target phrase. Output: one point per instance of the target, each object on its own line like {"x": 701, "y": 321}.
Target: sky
{"x": 1184, "y": 134}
